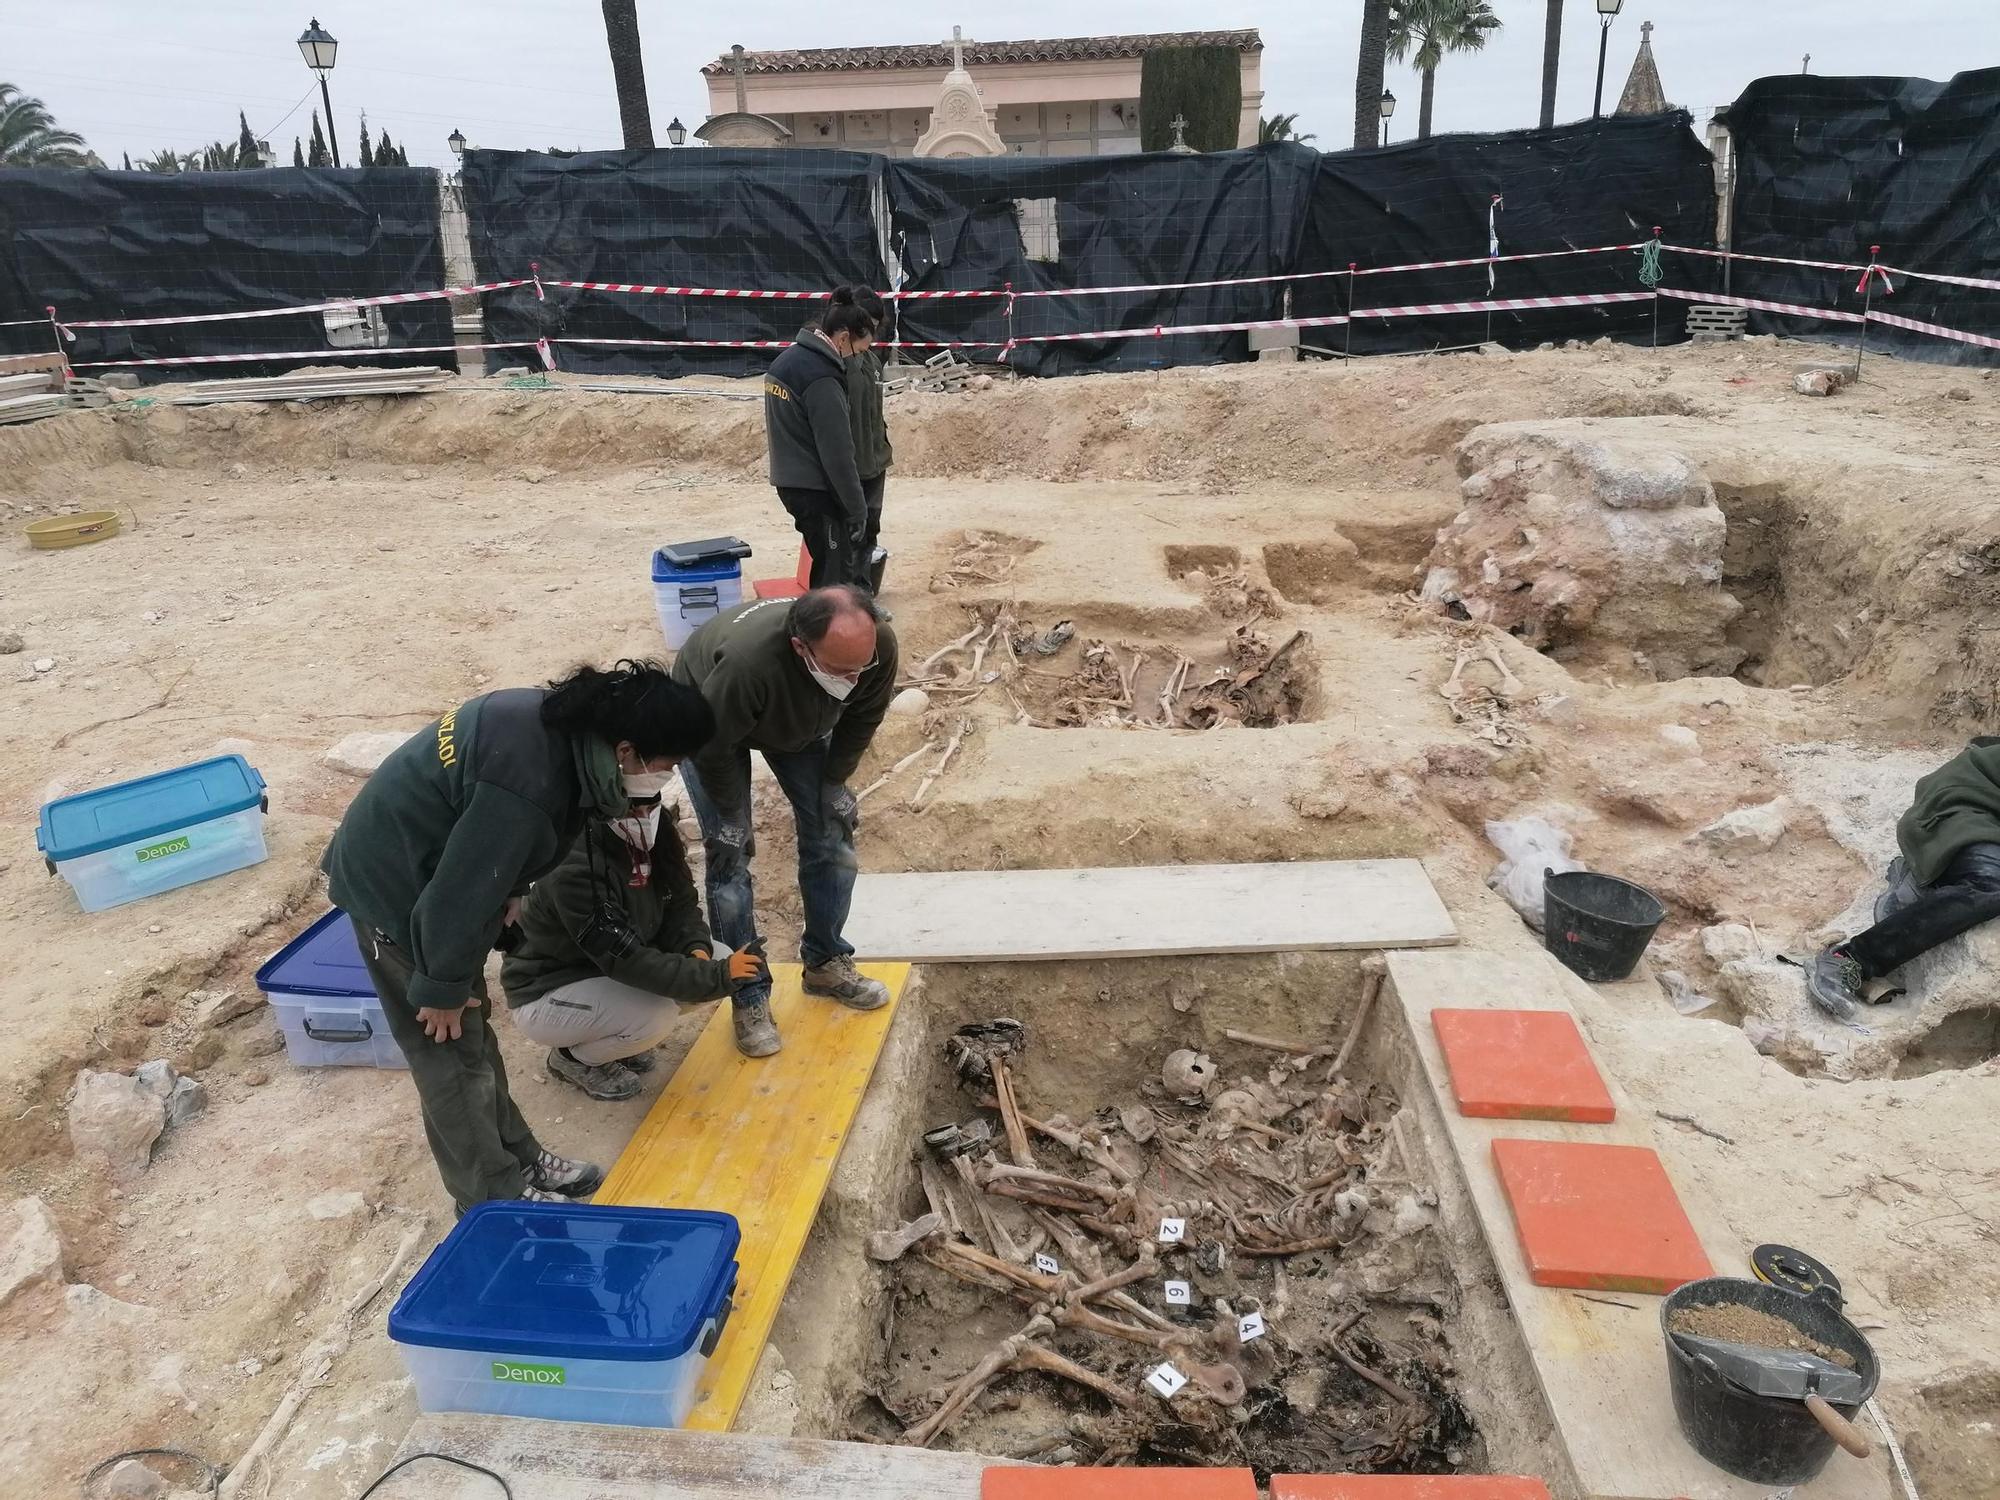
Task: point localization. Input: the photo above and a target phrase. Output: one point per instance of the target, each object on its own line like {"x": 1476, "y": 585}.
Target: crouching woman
{"x": 608, "y": 939}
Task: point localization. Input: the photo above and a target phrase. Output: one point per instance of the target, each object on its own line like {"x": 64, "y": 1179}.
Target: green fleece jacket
{"x": 872, "y": 453}
{"x": 764, "y": 699}
{"x": 663, "y": 913}
{"x": 1957, "y": 805}
{"x": 463, "y": 815}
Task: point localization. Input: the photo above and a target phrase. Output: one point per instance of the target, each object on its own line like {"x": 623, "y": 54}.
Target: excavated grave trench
{"x": 1383, "y": 1290}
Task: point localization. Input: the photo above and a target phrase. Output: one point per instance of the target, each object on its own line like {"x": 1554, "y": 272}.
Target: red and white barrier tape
{"x": 681, "y": 343}
{"x": 1500, "y": 304}
{"x": 281, "y": 312}
{"x": 1987, "y": 283}
{"x": 317, "y": 355}
{"x": 1934, "y": 330}
{"x": 1791, "y": 308}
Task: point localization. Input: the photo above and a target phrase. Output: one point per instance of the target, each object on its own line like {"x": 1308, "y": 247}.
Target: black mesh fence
{"x": 104, "y": 244}
{"x": 722, "y": 218}
{"x": 1826, "y": 167}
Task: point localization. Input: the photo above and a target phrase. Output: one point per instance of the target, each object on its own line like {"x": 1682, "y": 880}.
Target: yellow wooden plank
{"x": 757, "y": 1138}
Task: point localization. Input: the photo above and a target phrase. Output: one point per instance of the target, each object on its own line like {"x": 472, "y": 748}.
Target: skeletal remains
{"x": 1296, "y": 1161}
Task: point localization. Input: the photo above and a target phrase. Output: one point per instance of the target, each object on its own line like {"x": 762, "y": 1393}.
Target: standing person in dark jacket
{"x": 809, "y": 429}
{"x": 805, "y": 682}
{"x": 431, "y": 863}
{"x": 1947, "y": 880}
{"x": 607, "y": 940}
{"x": 872, "y": 453}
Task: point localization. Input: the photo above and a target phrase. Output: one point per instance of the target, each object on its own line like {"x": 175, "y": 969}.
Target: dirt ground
{"x": 290, "y": 575}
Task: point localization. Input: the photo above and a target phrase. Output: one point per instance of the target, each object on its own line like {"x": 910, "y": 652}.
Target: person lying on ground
{"x": 433, "y": 858}
{"x": 1946, "y": 880}
{"x": 608, "y": 938}
{"x": 808, "y": 430}
{"x": 804, "y": 682}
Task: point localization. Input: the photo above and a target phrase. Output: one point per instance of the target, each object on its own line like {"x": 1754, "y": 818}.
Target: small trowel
{"x": 1789, "y": 1375}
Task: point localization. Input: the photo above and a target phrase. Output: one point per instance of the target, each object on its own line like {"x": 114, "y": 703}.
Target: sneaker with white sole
{"x": 756, "y": 1033}
{"x": 609, "y": 1081}
{"x": 537, "y": 1195}
{"x": 838, "y": 979}
{"x": 566, "y": 1178}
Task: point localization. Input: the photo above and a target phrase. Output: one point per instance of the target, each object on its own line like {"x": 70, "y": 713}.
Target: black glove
{"x": 841, "y": 806}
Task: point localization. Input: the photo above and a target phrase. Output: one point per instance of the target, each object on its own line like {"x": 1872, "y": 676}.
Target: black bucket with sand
{"x": 1768, "y": 1439}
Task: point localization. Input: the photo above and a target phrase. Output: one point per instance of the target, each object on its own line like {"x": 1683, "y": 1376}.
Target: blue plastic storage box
{"x": 325, "y": 1002}
{"x": 138, "y": 838}
{"x": 574, "y": 1312}
{"x": 692, "y": 596}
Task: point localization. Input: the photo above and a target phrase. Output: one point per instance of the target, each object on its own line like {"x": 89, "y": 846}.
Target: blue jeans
{"x": 826, "y": 856}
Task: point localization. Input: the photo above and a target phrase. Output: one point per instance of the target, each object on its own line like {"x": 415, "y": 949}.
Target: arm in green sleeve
{"x": 576, "y": 892}
{"x": 681, "y": 926}
{"x": 833, "y": 435}
{"x": 497, "y": 839}
{"x": 737, "y": 699}
{"x": 864, "y": 710}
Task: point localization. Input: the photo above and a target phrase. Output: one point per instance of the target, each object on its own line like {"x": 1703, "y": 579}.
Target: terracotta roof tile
{"x": 978, "y": 54}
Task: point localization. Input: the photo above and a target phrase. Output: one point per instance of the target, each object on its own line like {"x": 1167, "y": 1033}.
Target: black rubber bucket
{"x": 1761, "y": 1438}
{"x": 1598, "y": 925}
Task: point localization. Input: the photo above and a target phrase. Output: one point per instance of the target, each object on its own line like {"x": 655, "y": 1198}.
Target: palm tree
{"x": 1370, "y": 66}
{"x": 1279, "y": 128}
{"x": 29, "y": 136}
{"x": 628, "y": 72}
{"x": 1433, "y": 28}
{"x": 1552, "y": 41}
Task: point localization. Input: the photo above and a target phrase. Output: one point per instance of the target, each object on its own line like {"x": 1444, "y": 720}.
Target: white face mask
{"x": 640, "y": 785}
{"x": 837, "y": 687}
{"x": 639, "y": 832}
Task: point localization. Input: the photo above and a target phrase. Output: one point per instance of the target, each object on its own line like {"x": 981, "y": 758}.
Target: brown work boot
{"x": 838, "y": 979}
{"x": 756, "y": 1033}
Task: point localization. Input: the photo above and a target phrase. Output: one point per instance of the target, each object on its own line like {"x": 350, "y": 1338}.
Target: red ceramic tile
{"x": 1599, "y": 1217}
{"x": 1521, "y": 1065}
{"x": 1405, "y": 1487}
{"x": 1118, "y": 1484}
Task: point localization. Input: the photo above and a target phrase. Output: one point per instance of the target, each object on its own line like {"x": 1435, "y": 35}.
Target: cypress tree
{"x": 298, "y": 153}
{"x": 1202, "y": 84}
{"x": 317, "y": 155}
{"x": 246, "y": 145}
{"x": 367, "y": 151}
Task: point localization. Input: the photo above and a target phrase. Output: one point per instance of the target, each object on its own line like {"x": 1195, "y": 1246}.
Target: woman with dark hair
{"x": 872, "y": 453}
{"x": 808, "y": 427}
{"x": 433, "y": 858}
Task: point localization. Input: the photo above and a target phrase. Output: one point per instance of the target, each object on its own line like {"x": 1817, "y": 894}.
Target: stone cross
{"x": 1180, "y": 131}
{"x": 957, "y": 51}
{"x": 1645, "y": 32}
{"x": 736, "y": 65}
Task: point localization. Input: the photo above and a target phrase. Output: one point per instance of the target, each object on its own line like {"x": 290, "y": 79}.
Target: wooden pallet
{"x": 1710, "y": 324}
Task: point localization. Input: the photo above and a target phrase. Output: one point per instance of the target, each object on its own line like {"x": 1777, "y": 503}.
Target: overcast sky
{"x": 143, "y": 75}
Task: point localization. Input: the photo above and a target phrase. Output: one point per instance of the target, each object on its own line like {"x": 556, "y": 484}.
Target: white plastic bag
{"x": 1530, "y": 847}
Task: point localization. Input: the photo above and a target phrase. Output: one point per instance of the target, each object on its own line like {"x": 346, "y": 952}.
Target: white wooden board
{"x": 965, "y": 916}
{"x": 1598, "y": 1357}
{"x": 575, "y": 1461}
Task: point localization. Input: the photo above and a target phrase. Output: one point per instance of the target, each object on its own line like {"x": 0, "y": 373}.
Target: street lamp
{"x": 456, "y": 140}
{"x": 1388, "y": 109}
{"x": 317, "y": 48}
{"x": 677, "y": 133}
{"x": 1607, "y": 12}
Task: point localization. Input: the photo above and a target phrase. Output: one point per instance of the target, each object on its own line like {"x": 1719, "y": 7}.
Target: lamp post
{"x": 1607, "y": 12}
{"x": 677, "y": 133}
{"x": 1388, "y": 109}
{"x": 317, "y": 48}
{"x": 456, "y": 140}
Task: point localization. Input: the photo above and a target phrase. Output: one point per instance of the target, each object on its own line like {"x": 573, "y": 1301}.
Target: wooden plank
{"x": 1598, "y": 1357}
{"x": 573, "y": 1461}
{"x": 966, "y": 916}
{"x": 757, "y": 1138}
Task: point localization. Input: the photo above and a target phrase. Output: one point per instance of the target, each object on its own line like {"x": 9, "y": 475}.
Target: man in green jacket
{"x": 1946, "y": 882}
{"x": 804, "y": 682}
{"x": 611, "y": 935}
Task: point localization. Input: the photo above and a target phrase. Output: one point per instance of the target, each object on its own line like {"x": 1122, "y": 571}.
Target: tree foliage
{"x": 1280, "y": 128}
{"x": 1427, "y": 31}
{"x": 316, "y": 154}
{"x": 367, "y": 150}
{"x": 1204, "y": 85}
{"x": 30, "y": 137}
{"x": 246, "y": 144}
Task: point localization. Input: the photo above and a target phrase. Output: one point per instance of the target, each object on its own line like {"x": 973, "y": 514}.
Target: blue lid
{"x": 325, "y": 959}
{"x": 571, "y": 1280}
{"x": 91, "y": 822}
{"x": 708, "y": 572}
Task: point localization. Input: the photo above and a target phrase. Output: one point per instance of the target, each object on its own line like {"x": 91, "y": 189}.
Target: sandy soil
{"x": 294, "y": 575}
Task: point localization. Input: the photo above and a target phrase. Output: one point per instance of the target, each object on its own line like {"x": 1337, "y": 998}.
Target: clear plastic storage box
{"x": 688, "y": 597}
{"x": 135, "y": 839}
{"x": 325, "y": 1002}
{"x": 571, "y": 1312}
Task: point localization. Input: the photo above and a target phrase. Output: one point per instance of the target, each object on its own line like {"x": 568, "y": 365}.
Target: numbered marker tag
{"x": 1250, "y": 1326}
{"x": 1172, "y": 1231}
{"x": 1048, "y": 1265}
{"x": 1166, "y": 1380}
{"x": 1179, "y": 1293}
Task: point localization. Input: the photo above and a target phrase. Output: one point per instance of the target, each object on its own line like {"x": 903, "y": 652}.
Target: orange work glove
{"x": 745, "y": 965}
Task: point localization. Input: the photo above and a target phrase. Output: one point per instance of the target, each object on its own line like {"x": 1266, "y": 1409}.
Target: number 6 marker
{"x": 1179, "y": 1293}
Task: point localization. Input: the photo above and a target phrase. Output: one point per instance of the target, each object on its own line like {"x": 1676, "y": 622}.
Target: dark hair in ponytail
{"x": 848, "y": 314}
{"x": 635, "y": 701}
